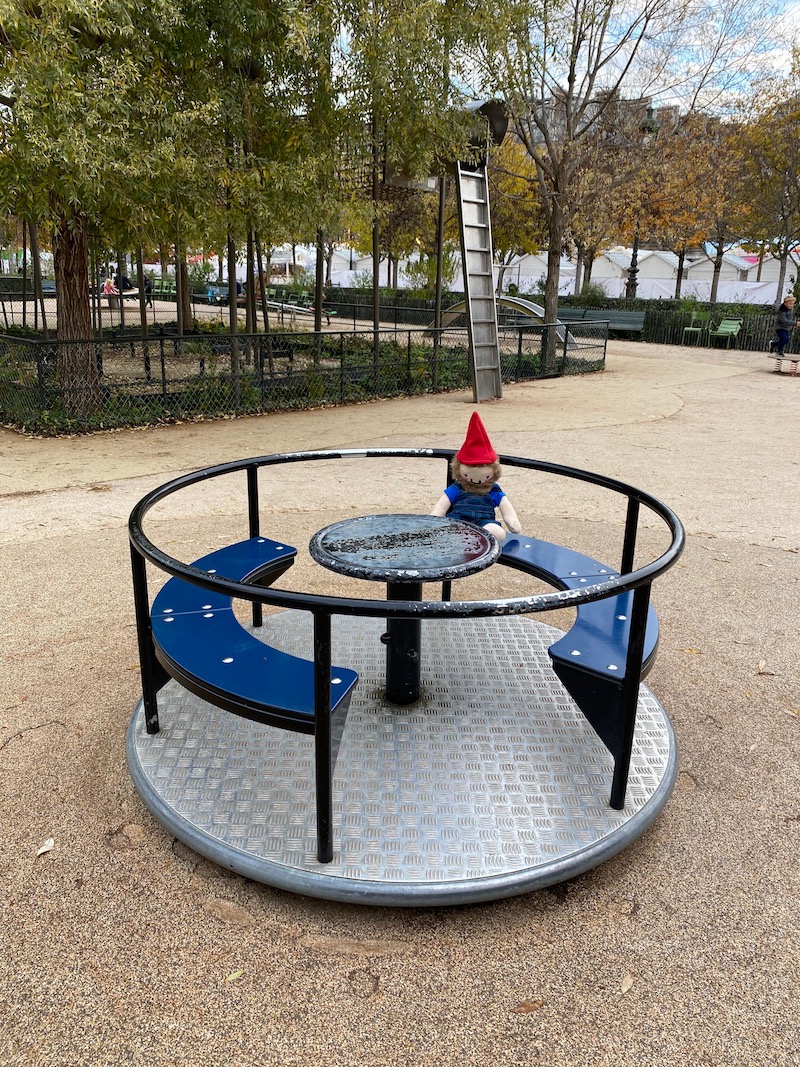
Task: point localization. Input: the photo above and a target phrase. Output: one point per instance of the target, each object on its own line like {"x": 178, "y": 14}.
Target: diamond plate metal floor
{"x": 492, "y": 785}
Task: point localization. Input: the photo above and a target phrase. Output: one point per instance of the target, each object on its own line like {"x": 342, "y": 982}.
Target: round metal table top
{"x": 404, "y": 548}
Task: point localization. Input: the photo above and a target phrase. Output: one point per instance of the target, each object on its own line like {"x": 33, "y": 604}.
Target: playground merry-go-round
{"x": 404, "y": 749}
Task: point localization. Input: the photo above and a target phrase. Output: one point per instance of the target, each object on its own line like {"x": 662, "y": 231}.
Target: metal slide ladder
{"x": 472, "y": 187}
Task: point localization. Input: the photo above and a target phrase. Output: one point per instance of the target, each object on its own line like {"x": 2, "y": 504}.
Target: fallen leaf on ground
{"x": 694, "y": 651}
{"x": 525, "y": 1007}
{"x": 627, "y": 983}
{"x": 48, "y": 846}
{"x": 234, "y": 976}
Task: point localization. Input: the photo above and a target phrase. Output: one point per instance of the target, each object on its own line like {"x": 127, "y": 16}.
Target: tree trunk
{"x": 263, "y": 283}
{"x": 25, "y": 274}
{"x": 781, "y": 277}
{"x": 77, "y": 366}
{"x": 38, "y": 296}
{"x": 234, "y": 322}
{"x": 185, "y": 292}
{"x": 140, "y": 285}
{"x": 555, "y": 243}
{"x": 319, "y": 293}
{"x": 121, "y": 268}
{"x": 376, "y": 261}
{"x": 249, "y": 300}
{"x": 579, "y": 280}
{"x": 679, "y": 279}
{"x": 501, "y": 273}
{"x": 720, "y": 251}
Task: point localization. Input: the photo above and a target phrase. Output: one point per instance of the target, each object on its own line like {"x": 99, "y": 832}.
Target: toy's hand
{"x": 510, "y": 516}
{"x": 442, "y": 506}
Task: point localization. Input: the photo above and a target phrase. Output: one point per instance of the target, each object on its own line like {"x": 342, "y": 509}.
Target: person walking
{"x": 785, "y": 322}
{"x": 148, "y": 292}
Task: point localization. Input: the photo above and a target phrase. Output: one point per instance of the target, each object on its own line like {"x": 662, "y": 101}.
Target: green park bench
{"x": 629, "y": 322}
{"x": 728, "y": 330}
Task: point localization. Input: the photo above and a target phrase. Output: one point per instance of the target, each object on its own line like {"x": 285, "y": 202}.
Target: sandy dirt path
{"x": 119, "y": 945}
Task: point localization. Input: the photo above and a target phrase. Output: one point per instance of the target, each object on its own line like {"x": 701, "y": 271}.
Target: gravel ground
{"x": 120, "y": 946}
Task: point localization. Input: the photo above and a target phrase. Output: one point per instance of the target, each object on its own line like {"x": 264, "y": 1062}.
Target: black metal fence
{"x": 129, "y": 381}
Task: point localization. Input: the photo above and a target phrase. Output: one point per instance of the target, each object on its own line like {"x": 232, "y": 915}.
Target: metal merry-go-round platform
{"x": 491, "y": 784}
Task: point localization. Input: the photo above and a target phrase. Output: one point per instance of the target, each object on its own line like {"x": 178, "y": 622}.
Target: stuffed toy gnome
{"x": 474, "y": 495}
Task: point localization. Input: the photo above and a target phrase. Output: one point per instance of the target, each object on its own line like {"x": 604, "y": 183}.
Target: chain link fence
{"x": 55, "y": 387}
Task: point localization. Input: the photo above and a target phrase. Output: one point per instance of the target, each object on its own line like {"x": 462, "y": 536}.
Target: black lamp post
{"x": 649, "y": 131}
{"x": 633, "y": 269}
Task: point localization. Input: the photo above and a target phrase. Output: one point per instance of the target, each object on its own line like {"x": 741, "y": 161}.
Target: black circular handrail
{"x": 532, "y": 604}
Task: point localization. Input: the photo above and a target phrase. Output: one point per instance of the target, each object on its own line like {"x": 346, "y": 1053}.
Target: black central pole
{"x": 402, "y": 640}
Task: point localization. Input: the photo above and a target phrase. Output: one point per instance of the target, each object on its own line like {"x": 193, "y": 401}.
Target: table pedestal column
{"x": 402, "y": 640}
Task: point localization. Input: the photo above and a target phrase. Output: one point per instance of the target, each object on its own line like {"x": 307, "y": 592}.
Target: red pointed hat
{"x": 477, "y": 449}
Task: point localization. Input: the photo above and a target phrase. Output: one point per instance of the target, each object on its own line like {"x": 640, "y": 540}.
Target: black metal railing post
{"x": 254, "y": 524}
{"x": 629, "y": 542}
{"x": 149, "y": 666}
{"x": 323, "y": 736}
{"x": 630, "y": 695}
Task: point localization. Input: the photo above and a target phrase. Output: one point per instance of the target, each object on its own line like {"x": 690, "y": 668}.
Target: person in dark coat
{"x": 785, "y": 322}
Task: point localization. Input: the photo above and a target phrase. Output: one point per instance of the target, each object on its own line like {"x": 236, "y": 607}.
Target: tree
{"x": 78, "y": 92}
{"x": 772, "y": 165}
{"x": 518, "y": 224}
{"x": 564, "y": 70}
{"x": 723, "y": 215}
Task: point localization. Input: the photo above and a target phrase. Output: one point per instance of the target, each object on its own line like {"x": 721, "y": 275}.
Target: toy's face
{"x": 478, "y": 476}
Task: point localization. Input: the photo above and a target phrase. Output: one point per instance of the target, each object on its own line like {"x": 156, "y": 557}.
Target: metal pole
{"x": 629, "y": 543}
{"x": 254, "y": 525}
{"x": 144, "y": 634}
{"x": 323, "y": 756}
{"x": 630, "y": 695}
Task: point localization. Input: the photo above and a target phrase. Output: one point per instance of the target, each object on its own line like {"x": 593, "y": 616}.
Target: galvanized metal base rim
{"x": 322, "y": 885}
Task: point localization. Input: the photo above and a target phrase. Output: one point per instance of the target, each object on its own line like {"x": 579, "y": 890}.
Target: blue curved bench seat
{"x": 200, "y": 642}
{"x": 197, "y": 639}
{"x": 591, "y": 658}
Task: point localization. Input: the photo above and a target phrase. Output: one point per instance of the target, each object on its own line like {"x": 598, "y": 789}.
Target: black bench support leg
{"x": 323, "y": 736}
{"x": 630, "y": 696}
{"x": 153, "y": 674}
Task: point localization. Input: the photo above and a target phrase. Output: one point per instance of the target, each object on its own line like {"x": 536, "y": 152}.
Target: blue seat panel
{"x": 598, "y": 640}
{"x": 255, "y": 557}
{"x": 570, "y": 568}
{"x": 246, "y": 558}
{"x": 200, "y": 641}
{"x": 212, "y": 654}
